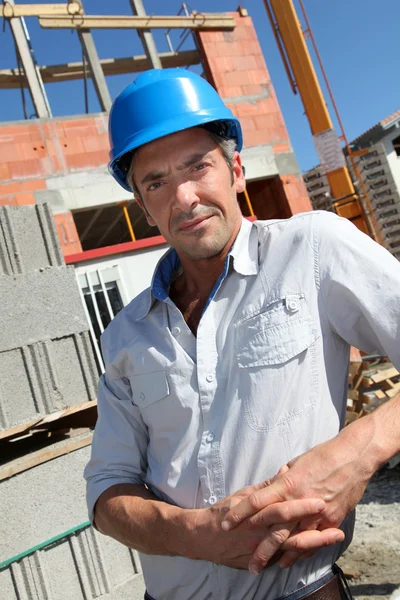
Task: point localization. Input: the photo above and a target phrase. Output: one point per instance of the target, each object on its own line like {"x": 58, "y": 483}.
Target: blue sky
{"x": 357, "y": 39}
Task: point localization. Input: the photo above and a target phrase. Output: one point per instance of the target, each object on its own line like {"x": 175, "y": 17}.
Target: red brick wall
{"x": 33, "y": 151}
{"x": 234, "y": 64}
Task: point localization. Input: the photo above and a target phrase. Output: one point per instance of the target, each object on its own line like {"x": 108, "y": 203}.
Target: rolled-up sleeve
{"x": 120, "y": 439}
{"x": 360, "y": 288}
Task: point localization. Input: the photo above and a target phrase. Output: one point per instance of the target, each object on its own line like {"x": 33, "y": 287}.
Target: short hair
{"x": 227, "y": 146}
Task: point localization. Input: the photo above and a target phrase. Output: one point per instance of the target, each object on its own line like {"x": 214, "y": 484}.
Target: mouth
{"x": 194, "y": 224}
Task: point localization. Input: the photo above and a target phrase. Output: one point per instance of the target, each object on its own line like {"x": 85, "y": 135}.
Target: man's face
{"x": 188, "y": 191}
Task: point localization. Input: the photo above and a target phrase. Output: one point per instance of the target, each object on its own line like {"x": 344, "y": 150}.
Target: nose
{"x": 186, "y": 197}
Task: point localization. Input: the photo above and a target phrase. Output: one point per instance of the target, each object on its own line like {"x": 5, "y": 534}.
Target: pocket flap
{"x": 277, "y": 344}
{"x": 148, "y": 388}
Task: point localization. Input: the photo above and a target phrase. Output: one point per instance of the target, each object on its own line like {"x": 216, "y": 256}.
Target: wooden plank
{"x": 384, "y": 374}
{"x": 43, "y": 421}
{"x": 36, "y": 10}
{"x": 41, "y": 456}
{"x": 199, "y": 21}
{"x": 392, "y": 393}
{"x": 353, "y": 394}
{"x": 380, "y": 394}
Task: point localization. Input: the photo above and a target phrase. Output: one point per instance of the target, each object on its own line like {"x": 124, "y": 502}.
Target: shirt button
{"x": 292, "y": 306}
{"x": 210, "y": 437}
{"x": 142, "y": 396}
{"x": 209, "y": 378}
{"x": 212, "y": 499}
{"x": 176, "y": 331}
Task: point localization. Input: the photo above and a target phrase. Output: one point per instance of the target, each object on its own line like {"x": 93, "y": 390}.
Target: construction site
{"x": 75, "y": 248}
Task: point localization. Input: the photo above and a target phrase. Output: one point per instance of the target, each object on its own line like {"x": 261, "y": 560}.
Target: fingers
{"x": 275, "y": 538}
{"x": 311, "y": 541}
{"x": 286, "y": 512}
{"x": 297, "y": 546}
{"x": 255, "y": 502}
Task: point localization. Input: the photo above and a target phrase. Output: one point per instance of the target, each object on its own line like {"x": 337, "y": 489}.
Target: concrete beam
{"x": 146, "y": 36}
{"x": 31, "y": 71}
{"x": 198, "y": 21}
{"x": 96, "y": 72}
{"x": 9, "y": 78}
{"x": 35, "y": 10}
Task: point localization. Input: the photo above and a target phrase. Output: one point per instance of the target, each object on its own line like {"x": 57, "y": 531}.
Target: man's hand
{"x": 331, "y": 471}
{"x": 236, "y": 547}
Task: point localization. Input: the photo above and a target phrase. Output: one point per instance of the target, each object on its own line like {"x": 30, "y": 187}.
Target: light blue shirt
{"x": 197, "y": 418}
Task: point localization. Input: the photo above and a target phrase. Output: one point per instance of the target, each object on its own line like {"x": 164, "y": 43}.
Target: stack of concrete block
{"x": 318, "y": 189}
{"x": 40, "y": 504}
{"x": 46, "y": 359}
{"x": 383, "y": 194}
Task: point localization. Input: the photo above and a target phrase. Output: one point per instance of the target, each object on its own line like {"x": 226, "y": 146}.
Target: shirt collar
{"x": 244, "y": 253}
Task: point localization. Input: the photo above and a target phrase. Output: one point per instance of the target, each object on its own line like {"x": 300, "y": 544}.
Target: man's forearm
{"x": 132, "y": 515}
{"x": 378, "y": 434}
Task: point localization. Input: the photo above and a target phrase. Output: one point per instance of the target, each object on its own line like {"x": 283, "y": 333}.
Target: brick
{"x": 30, "y": 150}
{"x": 96, "y": 143}
{"x": 88, "y": 159}
{"x": 236, "y": 78}
{"x": 31, "y": 185}
{"x": 281, "y": 148}
{"x": 227, "y": 49}
{"x": 252, "y": 89}
{"x": 257, "y": 76}
{"x": 8, "y": 152}
{"x": 247, "y": 124}
{"x": 231, "y": 91}
{"x": 247, "y": 108}
{"x": 71, "y": 145}
{"x": 265, "y": 121}
{"x": 10, "y": 188}
{"x": 4, "y": 172}
{"x": 250, "y": 48}
{"x": 7, "y": 201}
{"x": 256, "y": 137}
{"x": 26, "y": 168}
{"x": 25, "y": 199}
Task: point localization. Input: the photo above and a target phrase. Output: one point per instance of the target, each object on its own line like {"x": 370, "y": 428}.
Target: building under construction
{"x": 376, "y": 153}
{"x": 74, "y": 249}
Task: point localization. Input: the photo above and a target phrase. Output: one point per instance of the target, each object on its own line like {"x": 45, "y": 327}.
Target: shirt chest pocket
{"x": 149, "y": 388}
{"x": 277, "y": 364}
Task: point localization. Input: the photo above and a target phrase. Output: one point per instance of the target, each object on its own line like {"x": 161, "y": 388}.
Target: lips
{"x": 190, "y": 225}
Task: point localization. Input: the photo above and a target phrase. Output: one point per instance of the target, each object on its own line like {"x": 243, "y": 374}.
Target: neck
{"x": 199, "y": 276}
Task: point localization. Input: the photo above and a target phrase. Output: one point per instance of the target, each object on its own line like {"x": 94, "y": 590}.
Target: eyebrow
{"x": 188, "y": 162}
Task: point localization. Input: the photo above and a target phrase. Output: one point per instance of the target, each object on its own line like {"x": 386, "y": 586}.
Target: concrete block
{"x": 28, "y": 240}
{"x": 259, "y": 162}
{"x": 40, "y": 306}
{"x": 46, "y": 377}
{"x": 287, "y": 163}
{"x": 45, "y": 502}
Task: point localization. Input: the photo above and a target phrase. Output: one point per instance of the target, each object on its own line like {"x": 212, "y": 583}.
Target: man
{"x": 231, "y": 365}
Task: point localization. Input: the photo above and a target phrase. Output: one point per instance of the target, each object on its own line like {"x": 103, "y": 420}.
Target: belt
{"x": 332, "y": 590}
{"x": 336, "y": 588}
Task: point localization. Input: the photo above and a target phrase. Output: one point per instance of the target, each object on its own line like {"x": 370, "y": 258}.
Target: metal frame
{"x": 71, "y": 15}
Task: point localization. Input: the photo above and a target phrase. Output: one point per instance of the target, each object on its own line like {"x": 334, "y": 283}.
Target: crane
{"x": 291, "y": 40}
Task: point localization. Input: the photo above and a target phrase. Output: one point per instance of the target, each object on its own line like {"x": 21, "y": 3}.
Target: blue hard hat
{"x": 160, "y": 102}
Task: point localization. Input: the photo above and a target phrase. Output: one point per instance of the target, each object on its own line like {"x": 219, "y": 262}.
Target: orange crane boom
{"x": 302, "y": 76}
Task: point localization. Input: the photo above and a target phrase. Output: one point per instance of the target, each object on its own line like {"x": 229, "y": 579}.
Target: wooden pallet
{"x": 369, "y": 387}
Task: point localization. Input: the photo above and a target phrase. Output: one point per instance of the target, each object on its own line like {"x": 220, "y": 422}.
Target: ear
{"x": 238, "y": 175}
{"x": 149, "y": 218}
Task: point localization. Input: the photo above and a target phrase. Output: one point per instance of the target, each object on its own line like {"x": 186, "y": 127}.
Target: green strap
{"x": 56, "y": 538}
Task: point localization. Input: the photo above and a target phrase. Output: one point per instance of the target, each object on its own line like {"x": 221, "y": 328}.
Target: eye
{"x": 199, "y": 167}
{"x": 154, "y": 186}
